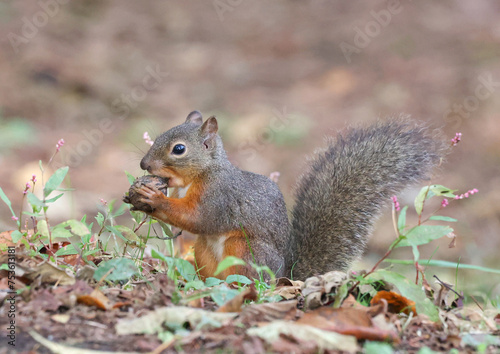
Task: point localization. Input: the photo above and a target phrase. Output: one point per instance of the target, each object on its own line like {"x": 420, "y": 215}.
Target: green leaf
{"x": 36, "y": 215}
{"x": 222, "y": 294}
{"x": 35, "y": 201}
{"x": 126, "y": 232}
{"x": 442, "y": 218}
{"x": 55, "y": 181}
{"x": 211, "y": 281}
{"x": 195, "y": 284}
{"x": 425, "y": 193}
{"x": 423, "y": 234}
{"x": 73, "y": 228}
{"x": 440, "y": 190}
{"x": 169, "y": 260}
{"x": 5, "y": 199}
{"x": 402, "y": 219}
{"x": 377, "y": 348}
{"x": 227, "y": 262}
{"x": 131, "y": 179}
{"x": 116, "y": 232}
{"x": 167, "y": 230}
{"x": 186, "y": 269}
{"x": 100, "y": 219}
{"x": 120, "y": 210}
{"x": 52, "y": 200}
{"x": 236, "y": 278}
{"x": 16, "y": 235}
{"x": 43, "y": 228}
{"x": 445, "y": 264}
{"x": 122, "y": 269}
{"x": 67, "y": 250}
{"x": 4, "y": 267}
{"x": 416, "y": 253}
{"x": 409, "y": 290}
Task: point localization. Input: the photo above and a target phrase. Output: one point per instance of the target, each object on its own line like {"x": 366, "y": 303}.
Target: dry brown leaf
{"x": 324, "y": 340}
{"x": 325, "y": 317}
{"x": 315, "y": 289}
{"x": 395, "y": 303}
{"x": 49, "y": 273}
{"x": 347, "y": 321}
{"x": 95, "y": 298}
{"x": 269, "y": 311}
{"x": 350, "y": 302}
{"x": 288, "y": 289}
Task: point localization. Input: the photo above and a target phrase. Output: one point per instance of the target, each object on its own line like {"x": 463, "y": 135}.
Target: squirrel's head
{"x": 185, "y": 151}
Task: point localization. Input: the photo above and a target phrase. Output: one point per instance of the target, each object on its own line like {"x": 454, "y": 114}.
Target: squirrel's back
{"x": 341, "y": 194}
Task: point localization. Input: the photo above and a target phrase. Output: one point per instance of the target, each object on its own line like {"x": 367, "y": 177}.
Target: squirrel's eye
{"x": 179, "y": 149}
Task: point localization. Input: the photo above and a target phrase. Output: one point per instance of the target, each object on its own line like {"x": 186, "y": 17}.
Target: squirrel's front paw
{"x": 147, "y": 193}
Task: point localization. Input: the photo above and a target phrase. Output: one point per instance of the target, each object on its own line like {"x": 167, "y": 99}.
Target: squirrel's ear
{"x": 194, "y": 117}
{"x": 209, "y": 131}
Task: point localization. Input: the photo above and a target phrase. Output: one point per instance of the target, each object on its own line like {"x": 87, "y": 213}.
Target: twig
{"x": 170, "y": 238}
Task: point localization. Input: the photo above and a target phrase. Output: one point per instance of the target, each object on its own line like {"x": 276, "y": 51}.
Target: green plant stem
{"x": 378, "y": 263}
{"x": 21, "y": 213}
{"x": 420, "y": 223}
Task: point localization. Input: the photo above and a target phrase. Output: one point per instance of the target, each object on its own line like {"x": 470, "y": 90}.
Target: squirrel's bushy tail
{"x": 341, "y": 194}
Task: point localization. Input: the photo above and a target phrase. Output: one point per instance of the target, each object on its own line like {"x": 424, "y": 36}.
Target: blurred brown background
{"x": 279, "y": 76}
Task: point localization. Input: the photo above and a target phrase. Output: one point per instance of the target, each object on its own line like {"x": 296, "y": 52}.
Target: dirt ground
{"x": 279, "y": 76}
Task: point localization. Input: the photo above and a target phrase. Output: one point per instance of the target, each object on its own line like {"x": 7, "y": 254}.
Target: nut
{"x": 134, "y": 198}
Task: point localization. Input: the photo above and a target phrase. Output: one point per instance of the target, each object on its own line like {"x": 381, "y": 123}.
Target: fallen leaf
{"x": 326, "y": 317}
{"x": 153, "y": 321}
{"x": 348, "y": 321}
{"x": 61, "y": 318}
{"x": 288, "y": 289}
{"x": 95, "y": 298}
{"x": 65, "y": 349}
{"x": 316, "y": 289}
{"x": 49, "y": 273}
{"x": 325, "y": 340}
{"x": 268, "y": 312}
{"x": 395, "y": 302}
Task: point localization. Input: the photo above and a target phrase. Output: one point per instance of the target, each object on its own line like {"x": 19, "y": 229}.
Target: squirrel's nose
{"x": 145, "y": 166}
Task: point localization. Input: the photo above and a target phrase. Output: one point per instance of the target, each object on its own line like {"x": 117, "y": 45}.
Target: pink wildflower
{"x": 444, "y": 203}
{"x": 15, "y": 218}
{"x": 28, "y": 186}
{"x": 395, "y": 202}
{"x": 103, "y": 201}
{"x": 33, "y": 179}
{"x": 456, "y": 139}
{"x": 274, "y": 176}
{"x": 147, "y": 139}
{"x": 59, "y": 144}
{"x": 467, "y": 194}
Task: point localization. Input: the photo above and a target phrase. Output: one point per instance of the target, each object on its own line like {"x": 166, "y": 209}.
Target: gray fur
{"x": 341, "y": 194}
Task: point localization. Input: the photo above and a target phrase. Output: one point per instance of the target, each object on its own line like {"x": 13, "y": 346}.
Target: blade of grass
{"x": 445, "y": 264}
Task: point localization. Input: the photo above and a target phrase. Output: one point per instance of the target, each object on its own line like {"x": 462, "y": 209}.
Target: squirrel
{"x": 239, "y": 213}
